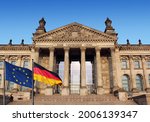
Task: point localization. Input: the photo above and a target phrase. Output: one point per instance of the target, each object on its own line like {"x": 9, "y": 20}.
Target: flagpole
{"x": 4, "y": 100}
{"x": 32, "y": 82}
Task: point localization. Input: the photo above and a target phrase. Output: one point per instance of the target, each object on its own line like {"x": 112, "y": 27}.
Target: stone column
{"x": 145, "y": 75}
{"x": 49, "y": 89}
{"x": 83, "y": 89}
{"x": 65, "y": 89}
{"x": 35, "y": 57}
{"x": 16, "y": 86}
{"x": 100, "y": 89}
{"x": 36, "y": 54}
{"x": 114, "y": 68}
{"x": 133, "y": 81}
{"x": 51, "y": 59}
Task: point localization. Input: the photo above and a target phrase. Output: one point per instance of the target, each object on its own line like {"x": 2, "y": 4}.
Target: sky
{"x": 20, "y": 18}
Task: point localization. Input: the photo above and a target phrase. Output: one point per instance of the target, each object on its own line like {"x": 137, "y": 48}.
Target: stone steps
{"x": 108, "y": 99}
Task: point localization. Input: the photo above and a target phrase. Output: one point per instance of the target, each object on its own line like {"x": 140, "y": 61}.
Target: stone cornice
{"x": 134, "y": 47}
{"x": 16, "y": 47}
{"x": 74, "y": 40}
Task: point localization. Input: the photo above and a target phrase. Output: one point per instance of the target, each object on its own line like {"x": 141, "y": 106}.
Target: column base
{"x": 65, "y": 91}
{"x": 135, "y": 90}
{"x": 147, "y": 90}
{"x": 83, "y": 91}
{"x": 100, "y": 90}
{"x": 49, "y": 91}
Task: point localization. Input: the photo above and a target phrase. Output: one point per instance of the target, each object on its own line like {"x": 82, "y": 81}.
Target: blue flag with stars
{"x": 18, "y": 75}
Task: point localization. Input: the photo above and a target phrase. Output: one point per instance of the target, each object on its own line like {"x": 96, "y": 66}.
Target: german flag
{"x": 43, "y": 75}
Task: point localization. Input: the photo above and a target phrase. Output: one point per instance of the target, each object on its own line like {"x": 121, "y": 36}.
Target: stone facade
{"x": 115, "y": 67}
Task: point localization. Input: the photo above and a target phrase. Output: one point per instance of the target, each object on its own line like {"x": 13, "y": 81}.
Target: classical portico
{"x": 78, "y": 44}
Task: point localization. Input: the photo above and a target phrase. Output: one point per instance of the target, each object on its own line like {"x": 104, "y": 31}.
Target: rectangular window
{"x": 0, "y": 79}
{"x": 148, "y": 64}
{"x": 26, "y": 64}
{"x": 149, "y": 78}
{"x": 13, "y": 62}
{"x": 124, "y": 64}
{"x": 10, "y": 86}
{"x": 136, "y": 64}
{"x": 1, "y": 64}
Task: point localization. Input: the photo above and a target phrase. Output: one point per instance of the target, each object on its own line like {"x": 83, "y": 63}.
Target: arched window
{"x": 139, "y": 84}
{"x": 125, "y": 82}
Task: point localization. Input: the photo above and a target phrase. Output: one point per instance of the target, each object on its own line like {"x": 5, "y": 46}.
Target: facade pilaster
{"x": 134, "y": 89}
{"x": 114, "y": 70}
{"x": 145, "y": 75}
{"x": 118, "y": 68}
{"x": 35, "y": 57}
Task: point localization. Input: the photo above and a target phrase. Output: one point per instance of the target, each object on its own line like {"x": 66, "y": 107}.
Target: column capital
{"x": 36, "y": 49}
{"x": 112, "y": 49}
{"x": 82, "y": 48}
{"x": 51, "y": 48}
{"x": 98, "y": 48}
{"x": 66, "y": 48}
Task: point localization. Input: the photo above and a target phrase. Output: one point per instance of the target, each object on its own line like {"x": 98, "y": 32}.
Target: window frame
{"x": 125, "y": 78}
{"x": 0, "y": 79}
{"x": 138, "y": 65}
{"x": 149, "y": 79}
{"x": 148, "y": 64}
{"x": 24, "y": 63}
{"x": 13, "y": 63}
{"x": 124, "y": 64}
{"x": 1, "y": 64}
{"x": 139, "y": 85}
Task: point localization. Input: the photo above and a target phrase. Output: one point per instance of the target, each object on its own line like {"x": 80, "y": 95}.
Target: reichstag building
{"x": 88, "y": 61}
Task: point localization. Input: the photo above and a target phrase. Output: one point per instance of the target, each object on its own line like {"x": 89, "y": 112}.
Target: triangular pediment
{"x": 74, "y": 31}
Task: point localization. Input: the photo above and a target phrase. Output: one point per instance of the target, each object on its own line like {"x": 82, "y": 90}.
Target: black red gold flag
{"x": 41, "y": 74}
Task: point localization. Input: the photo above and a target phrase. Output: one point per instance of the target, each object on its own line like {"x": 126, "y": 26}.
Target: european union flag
{"x": 19, "y": 75}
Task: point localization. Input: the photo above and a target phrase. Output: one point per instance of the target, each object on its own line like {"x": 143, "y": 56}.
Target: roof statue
{"x": 41, "y": 28}
{"x": 109, "y": 29}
